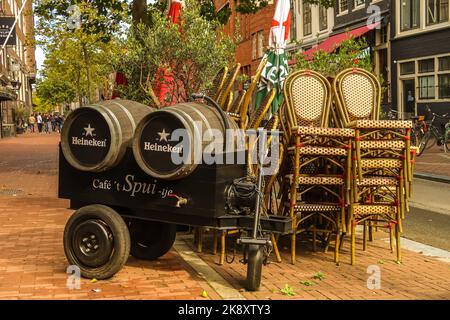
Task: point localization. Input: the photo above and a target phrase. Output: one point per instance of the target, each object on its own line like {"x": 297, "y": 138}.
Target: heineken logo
{"x": 162, "y": 136}
{"x": 89, "y": 132}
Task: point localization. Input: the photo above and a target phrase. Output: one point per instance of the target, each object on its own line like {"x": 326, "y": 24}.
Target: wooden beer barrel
{"x": 95, "y": 137}
{"x": 157, "y": 139}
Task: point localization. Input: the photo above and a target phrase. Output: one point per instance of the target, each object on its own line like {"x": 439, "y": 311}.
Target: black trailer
{"x": 122, "y": 210}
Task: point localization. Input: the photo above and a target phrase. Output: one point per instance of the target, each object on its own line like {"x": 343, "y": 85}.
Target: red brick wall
{"x": 258, "y": 21}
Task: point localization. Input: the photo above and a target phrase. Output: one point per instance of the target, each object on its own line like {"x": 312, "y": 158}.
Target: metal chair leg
{"x": 222, "y": 247}
{"x": 275, "y": 248}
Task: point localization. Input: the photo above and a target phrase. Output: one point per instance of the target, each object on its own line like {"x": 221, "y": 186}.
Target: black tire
{"x": 151, "y": 239}
{"x": 423, "y": 142}
{"x": 255, "y": 260}
{"x": 104, "y": 254}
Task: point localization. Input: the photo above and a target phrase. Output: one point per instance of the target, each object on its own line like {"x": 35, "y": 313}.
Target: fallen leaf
{"x": 204, "y": 294}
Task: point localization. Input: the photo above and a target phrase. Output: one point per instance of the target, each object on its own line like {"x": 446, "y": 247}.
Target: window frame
{"x": 322, "y": 9}
{"x": 437, "y": 75}
{"x": 305, "y": 23}
{"x": 419, "y": 16}
{"x": 438, "y": 7}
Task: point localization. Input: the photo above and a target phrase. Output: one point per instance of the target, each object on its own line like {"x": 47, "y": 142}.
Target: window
{"x": 410, "y": 14}
{"x": 293, "y": 27}
{"x": 444, "y": 86}
{"x": 254, "y": 46}
{"x": 426, "y": 66}
{"x": 384, "y": 34}
{"x": 342, "y": 6}
{"x": 307, "y": 30}
{"x": 426, "y": 87}
{"x": 323, "y": 18}
{"x": 408, "y": 68}
{"x": 260, "y": 50}
{"x": 359, "y": 3}
{"x": 245, "y": 26}
{"x": 437, "y": 11}
{"x": 444, "y": 64}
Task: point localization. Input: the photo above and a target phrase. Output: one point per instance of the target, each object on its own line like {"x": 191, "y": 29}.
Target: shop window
{"x": 426, "y": 66}
{"x": 409, "y": 14}
{"x": 444, "y": 86}
{"x": 426, "y": 87}
{"x": 293, "y": 26}
{"x": 408, "y": 68}
{"x": 444, "y": 64}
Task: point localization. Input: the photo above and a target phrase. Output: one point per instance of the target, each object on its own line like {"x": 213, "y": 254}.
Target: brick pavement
{"x": 434, "y": 161}
{"x": 32, "y": 261}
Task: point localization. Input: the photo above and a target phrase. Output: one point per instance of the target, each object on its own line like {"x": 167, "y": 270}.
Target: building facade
{"x": 17, "y": 67}
{"x": 420, "y": 56}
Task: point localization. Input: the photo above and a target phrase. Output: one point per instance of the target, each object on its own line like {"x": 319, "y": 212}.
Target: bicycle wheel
{"x": 423, "y": 142}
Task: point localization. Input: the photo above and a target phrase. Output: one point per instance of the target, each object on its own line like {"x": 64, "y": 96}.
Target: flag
{"x": 276, "y": 69}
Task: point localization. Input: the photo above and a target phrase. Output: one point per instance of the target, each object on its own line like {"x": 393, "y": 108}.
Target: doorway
{"x": 409, "y": 97}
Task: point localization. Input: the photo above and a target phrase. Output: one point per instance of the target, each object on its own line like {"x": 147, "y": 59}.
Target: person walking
{"x": 46, "y": 120}
{"x": 53, "y": 122}
{"x": 39, "y": 122}
{"x": 31, "y": 122}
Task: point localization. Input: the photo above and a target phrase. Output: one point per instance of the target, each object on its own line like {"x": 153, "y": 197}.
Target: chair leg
{"x": 200, "y": 240}
{"x": 391, "y": 238}
{"x": 397, "y": 238}
{"x": 222, "y": 247}
{"x": 214, "y": 242}
{"x": 337, "y": 247}
{"x": 371, "y": 227}
{"x": 353, "y": 243}
{"x": 365, "y": 236}
{"x": 275, "y": 248}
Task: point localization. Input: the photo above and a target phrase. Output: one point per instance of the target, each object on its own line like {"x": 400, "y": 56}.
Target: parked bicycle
{"x": 424, "y": 130}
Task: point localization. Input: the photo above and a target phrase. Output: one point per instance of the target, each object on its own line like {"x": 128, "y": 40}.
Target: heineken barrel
{"x": 95, "y": 137}
{"x": 168, "y": 142}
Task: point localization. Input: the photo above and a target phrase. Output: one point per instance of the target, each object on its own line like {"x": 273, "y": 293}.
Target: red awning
{"x": 332, "y": 43}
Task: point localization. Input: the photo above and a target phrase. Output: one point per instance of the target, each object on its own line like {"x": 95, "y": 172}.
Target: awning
{"x": 333, "y": 42}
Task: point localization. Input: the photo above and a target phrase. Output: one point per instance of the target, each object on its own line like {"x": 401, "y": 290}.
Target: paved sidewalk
{"x": 33, "y": 265}
{"x": 434, "y": 161}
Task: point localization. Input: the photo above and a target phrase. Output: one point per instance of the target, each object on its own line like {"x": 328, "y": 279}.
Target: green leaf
{"x": 319, "y": 276}
{"x": 307, "y": 283}
{"x": 287, "y": 290}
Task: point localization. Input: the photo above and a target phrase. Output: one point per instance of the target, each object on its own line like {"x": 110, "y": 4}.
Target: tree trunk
{"x": 139, "y": 12}
{"x": 80, "y": 100}
{"x": 87, "y": 64}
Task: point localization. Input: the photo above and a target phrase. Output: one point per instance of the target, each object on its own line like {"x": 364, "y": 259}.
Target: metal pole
{"x": 262, "y": 151}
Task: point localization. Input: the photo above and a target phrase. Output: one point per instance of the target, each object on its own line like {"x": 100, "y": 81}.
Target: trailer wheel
{"x": 255, "y": 258}
{"x": 151, "y": 239}
{"x": 96, "y": 239}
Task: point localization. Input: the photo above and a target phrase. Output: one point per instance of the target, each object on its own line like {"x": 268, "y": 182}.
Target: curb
{"x": 432, "y": 177}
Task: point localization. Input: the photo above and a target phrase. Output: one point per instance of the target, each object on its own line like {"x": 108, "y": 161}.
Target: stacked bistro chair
{"x": 319, "y": 162}
{"x": 238, "y": 108}
{"x": 382, "y": 164}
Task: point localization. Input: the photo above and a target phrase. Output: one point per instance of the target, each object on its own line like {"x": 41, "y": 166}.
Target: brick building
{"x": 17, "y": 66}
{"x": 253, "y": 31}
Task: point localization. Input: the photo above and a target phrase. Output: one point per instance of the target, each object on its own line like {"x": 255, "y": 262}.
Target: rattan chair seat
{"x": 326, "y": 132}
{"x": 380, "y": 124}
{"x": 383, "y": 144}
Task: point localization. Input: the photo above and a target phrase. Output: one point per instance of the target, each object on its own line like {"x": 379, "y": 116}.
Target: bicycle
{"x": 427, "y": 129}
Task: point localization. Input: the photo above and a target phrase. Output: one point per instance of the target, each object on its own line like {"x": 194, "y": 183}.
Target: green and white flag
{"x": 276, "y": 69}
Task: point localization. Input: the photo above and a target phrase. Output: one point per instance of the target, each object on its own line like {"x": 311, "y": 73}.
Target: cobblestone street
{"x": 33, "y": 264}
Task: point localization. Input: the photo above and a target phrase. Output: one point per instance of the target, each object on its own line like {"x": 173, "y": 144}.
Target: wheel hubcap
{"x": 93, "y": 243}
